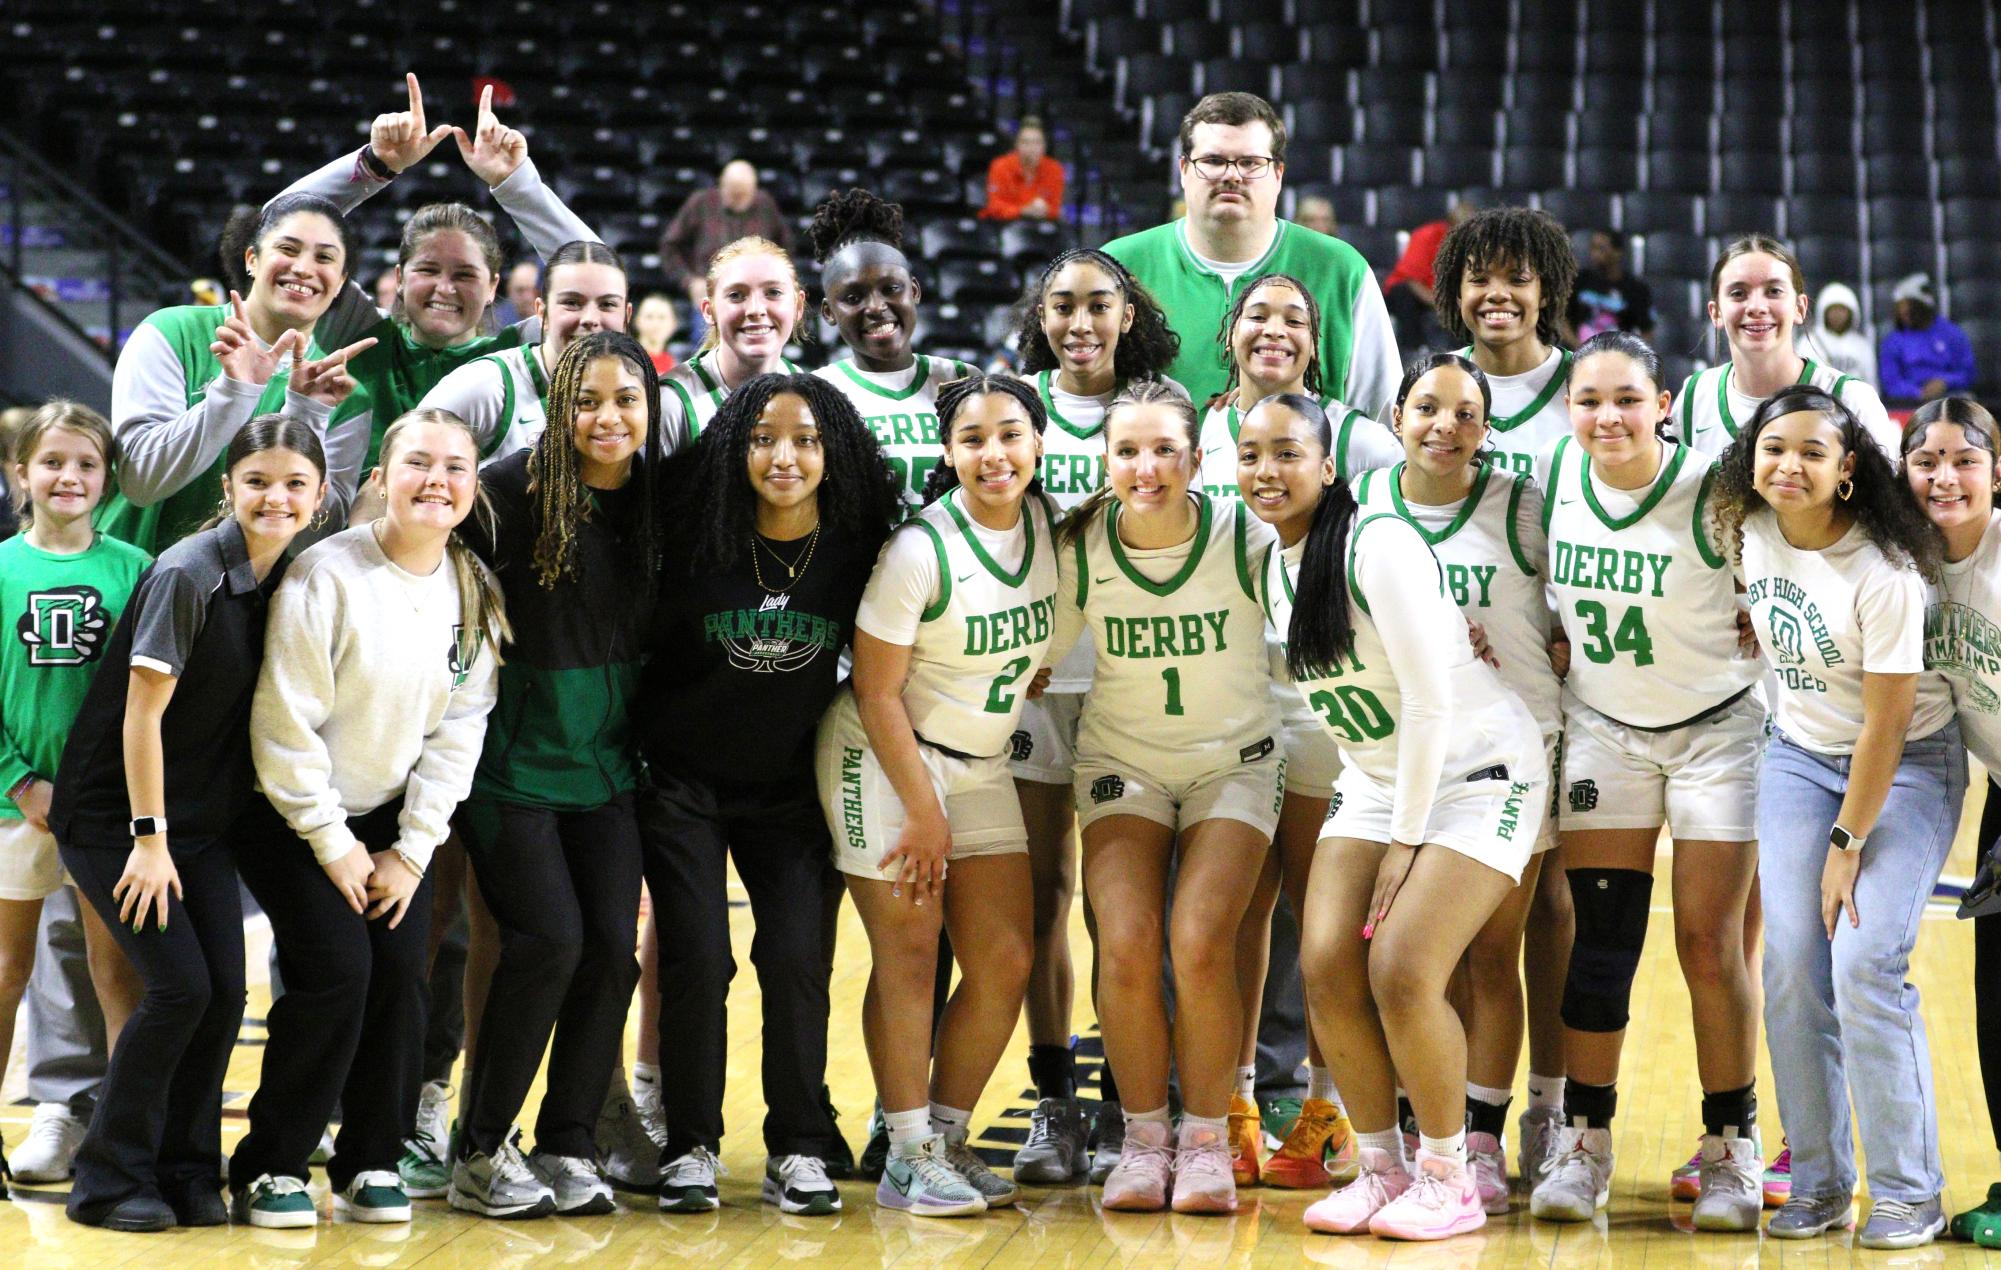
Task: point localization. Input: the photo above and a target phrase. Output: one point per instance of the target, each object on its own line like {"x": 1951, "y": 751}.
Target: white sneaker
{"x": 1732, "y": 1193}
{"x": 799, "y": 1185}
{"x": 652, "y": 1113}
{"x": 1536, "y": 1131}
{"x": 580, "y": 1189}
{"x": 1580, "y": 1176}
{"x": 48, "y": 1153}
{"x": 688, "y": 1185}
{"x": 630, "y": 1152}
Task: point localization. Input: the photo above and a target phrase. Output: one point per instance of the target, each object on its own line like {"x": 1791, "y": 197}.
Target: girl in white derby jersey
{"x": 754, "y": 304}
{"x": 912, "y": 769}
{"x": 1440, "y": 802}
{"x": 1178, "y": 752}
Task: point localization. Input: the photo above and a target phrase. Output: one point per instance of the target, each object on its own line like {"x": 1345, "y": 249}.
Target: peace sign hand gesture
{"x": 243, "y": 358}
{"x": 494, "y": 150}
{"x": 326, "y": 380}
{"x": 399, "y": 137}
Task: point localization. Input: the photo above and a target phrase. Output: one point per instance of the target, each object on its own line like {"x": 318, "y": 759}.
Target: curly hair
{"x": 1144, "y": 352}
{"x": 716, "y": 506}
{"x": 1503, "y": 236}
{"x": 856, "y": 215}
{"x": 1312, "y": 380}
{"x": 555, "y": 479}
{"x": 1879, "y": 501}
{"x": 952, "y": 398}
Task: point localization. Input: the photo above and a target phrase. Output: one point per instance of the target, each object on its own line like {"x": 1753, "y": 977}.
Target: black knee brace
{"x": 1611, "y": 909}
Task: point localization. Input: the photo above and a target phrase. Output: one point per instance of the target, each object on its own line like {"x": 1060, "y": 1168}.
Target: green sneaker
{"x": 1982, "y": 1225}
{"x": 274, "y": 1203}
{"x": 376, "y": 1195}
{"x": 1278, "y": 1116}
{"x": 426, "y": 1166}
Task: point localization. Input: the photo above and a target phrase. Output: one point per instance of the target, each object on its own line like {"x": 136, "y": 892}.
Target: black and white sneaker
{"x": 798, "y": 1184}
{"x": 688, "y": 1185}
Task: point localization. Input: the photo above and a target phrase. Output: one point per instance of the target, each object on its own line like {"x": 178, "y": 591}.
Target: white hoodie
{"x": 1853, "y": 351}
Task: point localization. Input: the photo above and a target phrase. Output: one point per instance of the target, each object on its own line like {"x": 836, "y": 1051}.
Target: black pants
{"x": 350, "y": 1027}
{"x": 785, "y": 858}
{"x": 1987, "y": 975}
{"x": 564, "y": 890}
{"x": 157, "y": 1130}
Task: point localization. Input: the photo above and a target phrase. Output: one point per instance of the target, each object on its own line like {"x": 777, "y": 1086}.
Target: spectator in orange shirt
{"x": 1407, "y": 290}
{"x": 1025, "y": 182}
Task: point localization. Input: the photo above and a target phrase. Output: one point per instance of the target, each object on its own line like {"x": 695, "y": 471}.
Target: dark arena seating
{"x": 1863, "y": 133}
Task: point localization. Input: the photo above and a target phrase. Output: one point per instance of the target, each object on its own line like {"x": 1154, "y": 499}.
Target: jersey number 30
{"x": 1630, "y": 637}
{"x": 1353, "y": 712}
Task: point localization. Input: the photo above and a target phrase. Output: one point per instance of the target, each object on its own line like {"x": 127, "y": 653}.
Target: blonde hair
{"x": 482, "y": 608}
{"x": 751, "y": 245}
{"x": 22, "y": 430}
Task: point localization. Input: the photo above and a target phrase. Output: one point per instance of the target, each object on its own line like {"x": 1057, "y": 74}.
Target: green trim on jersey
{"x": 1709, "y": 554}
{"x": 713, "y": 387}
{"x": 1514, "y": 527}
{"x": 1807, "y": 368}
{"x": 1264, "y": 586}
{"x": 1557, "y": 379}
{"x": 687, "y": 407}
{"x": 1042, "y": 381}
{"x": 936, "y": 609}
{"x": 1662, "y": 481}
{"x": 917, "y": 381}
{"x": 1482, "y": 472}
{"x": 1341, "y": 436}
{"x": 1555, "y": 481}
{"x": 1243, "y": 553}
{"x": 1009, "y": 580}
{"x": 1199, "y": 544}
{"x": 507, "y": 398}
{"x": 1354, "y": 538}
{"x": 1083, "y": 569}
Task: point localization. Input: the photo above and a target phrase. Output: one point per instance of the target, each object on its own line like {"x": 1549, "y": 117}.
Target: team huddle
{"x": 512, "y": 621}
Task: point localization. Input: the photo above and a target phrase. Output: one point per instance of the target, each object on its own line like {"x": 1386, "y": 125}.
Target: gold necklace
{"x": 793, "y": 568}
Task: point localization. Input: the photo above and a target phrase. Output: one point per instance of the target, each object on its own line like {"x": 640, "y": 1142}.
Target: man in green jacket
{"x": 1232, "y": 169}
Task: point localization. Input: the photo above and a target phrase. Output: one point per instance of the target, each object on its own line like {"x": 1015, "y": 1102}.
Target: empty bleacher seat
{"x": 1731, "y": 215}
{"x": 1660, "y": 211}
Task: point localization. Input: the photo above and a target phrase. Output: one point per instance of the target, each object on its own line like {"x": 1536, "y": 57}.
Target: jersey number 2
{"x": 1630, "y": 637}
{"x": 999, "y": 702}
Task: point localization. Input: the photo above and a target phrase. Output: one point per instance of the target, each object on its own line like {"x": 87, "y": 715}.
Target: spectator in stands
{"x": 1025, "y": 182}
{"x": 1838, "y": 338}
{"x": 655, "y": 322}
{"x": 12, "y": 420}
{"x": 524, "y": 287}
{"x": 1316, "y": 213}
{"x": 1927, "y": 356}
{"x": 1232, "y": 171}
{"x": 387, "y": 290}
{"x": 1408, "y": 290}
{"x": 1607, "y": 297}
{"x": 734, "y": 208}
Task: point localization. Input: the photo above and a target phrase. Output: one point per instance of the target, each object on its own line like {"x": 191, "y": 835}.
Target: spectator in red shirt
{"x": 1025, "y": 182}
{"x": 1407, "y": 291}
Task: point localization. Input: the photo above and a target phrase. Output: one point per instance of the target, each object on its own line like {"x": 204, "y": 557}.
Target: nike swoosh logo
{"x": 965, "y": 577}
{"x": 1565, "y": 502}
{"x": 1104, "y": 581}
{"x": 901, "y": 1187}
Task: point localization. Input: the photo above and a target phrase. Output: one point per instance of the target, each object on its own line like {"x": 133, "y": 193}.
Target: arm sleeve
{"x": 443, "y": 775}
{"x": 905, "y": 582}
{"x": 475, "y": 392}
{"x": 295, "y": 696}
{"x": 1369, "y": 444}
{"x": 1890, "y": 609}
{"x": 167, "y": 612}
{"x": 1425, "y": 637}
{"x": 163, "y": 442}
{"x": 542, "y": 218}
{"x": 1373, "y": 369}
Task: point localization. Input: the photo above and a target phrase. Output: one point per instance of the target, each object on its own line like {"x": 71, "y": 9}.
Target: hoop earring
{"x": 1846, "y": 489}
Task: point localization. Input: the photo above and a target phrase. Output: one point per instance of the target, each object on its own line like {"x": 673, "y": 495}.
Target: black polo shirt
{"x": 198, "y": 615}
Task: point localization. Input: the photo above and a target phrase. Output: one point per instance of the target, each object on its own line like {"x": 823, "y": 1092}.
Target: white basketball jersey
{"x": 1530, "y": 411}
{"x": 1360, "y": 444}
{"x": 1643, "y": 591}
{"x": 1358, "y": 701}
{"x": 1490, "y": 546}
{"x": 1182, "y": 685}
{"x": 1710, "y": 411}
{"x": 901, "y": 409}
{"x": 1073, "y": 446}
{"x": 984, "y": 633}
{"x": 692, "y": 392}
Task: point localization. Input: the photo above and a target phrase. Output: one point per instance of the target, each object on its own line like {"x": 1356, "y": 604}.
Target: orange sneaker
{"x": 1246, "y": 1145}
{"x": 1301, "y": 1162}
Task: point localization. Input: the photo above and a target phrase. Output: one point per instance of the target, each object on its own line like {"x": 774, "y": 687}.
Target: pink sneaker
{"x": 1203, "y": 1182}
{"x": 1487, "y": 1160}
{"x": 1443, "y": 1201}
{"x": 1349, "y": 1210}
{"x": 1138, "y": 1184}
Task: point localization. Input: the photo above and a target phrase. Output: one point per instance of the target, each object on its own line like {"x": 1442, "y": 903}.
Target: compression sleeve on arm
{"x": 1425, "y": 637}
{"x": 543, "y": 219}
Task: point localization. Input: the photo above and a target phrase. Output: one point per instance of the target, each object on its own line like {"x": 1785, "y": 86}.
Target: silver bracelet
{"x": 409, "y": 862}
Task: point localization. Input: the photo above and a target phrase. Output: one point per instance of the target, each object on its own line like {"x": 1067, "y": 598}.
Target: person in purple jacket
{"x": 1927, "y": 355}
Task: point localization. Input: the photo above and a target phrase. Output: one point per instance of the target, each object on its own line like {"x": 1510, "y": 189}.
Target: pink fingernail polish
{"x": 1369, "y": 930}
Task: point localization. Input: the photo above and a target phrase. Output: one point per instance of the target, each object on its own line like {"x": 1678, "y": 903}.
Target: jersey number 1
{"x": 1630, "y": 637}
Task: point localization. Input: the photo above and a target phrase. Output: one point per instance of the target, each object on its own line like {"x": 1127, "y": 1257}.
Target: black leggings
{"x": 157, "y": 1131}
{"x": 564, "y": 890}
{"x": 1987, "y": 975}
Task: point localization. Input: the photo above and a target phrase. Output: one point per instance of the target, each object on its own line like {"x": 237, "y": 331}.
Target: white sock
{"x": 646, "y": 1073}
{"x": 907, "y": 1127}
{"x": 1157, "y": 1116}
{"x": 1488, "y": 1094}
{"x": 1388, "y": 1141}
{"x": 1320, "y": 1084}
{"x": 1449, "y": 1148}
{"x": 1546, "y": 1091}
{"x": 1193, "y": 1124}
{"x": 951, "y": 1123}
{"x": 1247, "y": 1083}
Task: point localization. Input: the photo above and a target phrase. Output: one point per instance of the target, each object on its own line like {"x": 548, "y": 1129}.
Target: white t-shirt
{"x": 1824, "y": 618}
{"x": 1963, "y": 643}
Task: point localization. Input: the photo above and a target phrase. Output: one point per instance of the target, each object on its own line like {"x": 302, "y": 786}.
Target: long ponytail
{"x": 1322, "y": 630}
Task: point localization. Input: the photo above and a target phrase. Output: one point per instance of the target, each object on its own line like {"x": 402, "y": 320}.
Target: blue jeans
{"x": 1840, "y": 1014}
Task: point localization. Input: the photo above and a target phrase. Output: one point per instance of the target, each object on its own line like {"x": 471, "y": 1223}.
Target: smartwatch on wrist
{"x": 1842, "y": 840}
{"x": 147, "y": 826}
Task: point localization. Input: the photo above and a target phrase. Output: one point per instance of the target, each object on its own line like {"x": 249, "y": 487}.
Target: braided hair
{"x": 1144, "y": 352}
{"x": 709, "y": 486}
{"x": 952, "y": 398}
{"x": 560, "y": 500}
{"x": 1230, "y": 319}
